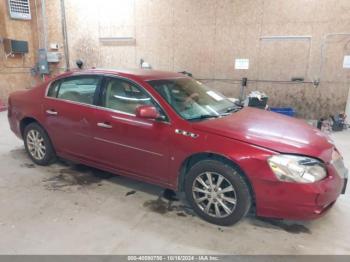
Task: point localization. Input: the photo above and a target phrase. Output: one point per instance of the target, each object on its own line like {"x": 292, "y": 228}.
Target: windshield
{"x": 192, "y": 100}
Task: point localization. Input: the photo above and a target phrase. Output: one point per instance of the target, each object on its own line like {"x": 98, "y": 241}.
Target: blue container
{"x": 288, "y": 111}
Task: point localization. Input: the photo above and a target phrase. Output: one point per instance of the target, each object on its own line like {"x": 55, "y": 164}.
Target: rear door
{"x": 137, "y": 146}
{"x": 69, "y": 109}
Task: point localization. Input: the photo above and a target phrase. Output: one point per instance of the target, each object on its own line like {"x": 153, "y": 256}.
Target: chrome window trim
{"x": 101, "y": 107}
{"x": 91, "y": 106}
{"x": 131, "y": 120}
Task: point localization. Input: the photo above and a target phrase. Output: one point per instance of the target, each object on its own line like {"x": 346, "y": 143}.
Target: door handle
{"x": 104, "y": 125}
{"x": 51, "y": 112}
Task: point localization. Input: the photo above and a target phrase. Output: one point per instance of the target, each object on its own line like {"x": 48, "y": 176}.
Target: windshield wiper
{"x": 203, "y": 117}
{"x": 225, "y": 113}
{"x": 232, "y": 109}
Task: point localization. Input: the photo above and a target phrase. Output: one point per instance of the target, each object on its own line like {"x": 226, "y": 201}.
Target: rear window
{"x": 78, "y": 89}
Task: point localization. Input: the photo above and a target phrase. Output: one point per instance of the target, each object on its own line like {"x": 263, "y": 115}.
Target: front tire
{"x": 217, "y": 192}
{"x": 38, "y": 145}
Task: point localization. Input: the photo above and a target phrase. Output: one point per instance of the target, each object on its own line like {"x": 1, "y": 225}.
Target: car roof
{"x": 142, "y": 74}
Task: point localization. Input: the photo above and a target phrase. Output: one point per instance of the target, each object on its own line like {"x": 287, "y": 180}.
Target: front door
{"x": 136, "y": 146}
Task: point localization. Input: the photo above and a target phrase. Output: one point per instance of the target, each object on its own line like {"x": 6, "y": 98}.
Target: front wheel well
{"x": 192, "y": 160}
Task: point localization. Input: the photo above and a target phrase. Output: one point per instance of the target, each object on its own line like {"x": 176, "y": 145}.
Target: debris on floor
{"x": 28, "y": 165}
{"x": 336, "y": 122}
{"x": 170, "y": 195}
{"x": 167, "y": 202}
{"x": 287, "y": 226}
{"x": 158, "y": 206}
{"x": 75, "y": 175}
{"x": 130, "y": 193}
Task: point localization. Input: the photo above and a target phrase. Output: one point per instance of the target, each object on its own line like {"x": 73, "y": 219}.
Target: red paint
{"x": 150, "y": 150}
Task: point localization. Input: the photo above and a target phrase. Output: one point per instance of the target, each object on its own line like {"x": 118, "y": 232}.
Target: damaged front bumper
{"x": 301, "y": 201}
{"x": 345, "y": 182}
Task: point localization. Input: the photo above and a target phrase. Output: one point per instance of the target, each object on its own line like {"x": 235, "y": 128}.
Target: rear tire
{"x": 217, "y": 192}
{"x": 38, "y": 145}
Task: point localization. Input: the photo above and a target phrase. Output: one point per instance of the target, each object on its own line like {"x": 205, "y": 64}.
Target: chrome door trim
{"x": 127, "y": 146}
{"x": 132, "y": 121}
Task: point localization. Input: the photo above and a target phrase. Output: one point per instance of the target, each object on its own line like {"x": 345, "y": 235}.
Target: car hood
{"x": 272, "y": 131}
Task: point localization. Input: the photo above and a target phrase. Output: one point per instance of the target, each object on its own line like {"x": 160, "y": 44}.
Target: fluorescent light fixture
{"x": 286, "y": 37}
{"x": 118, "y": 40}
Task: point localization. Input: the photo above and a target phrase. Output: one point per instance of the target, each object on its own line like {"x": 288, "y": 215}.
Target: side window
{"x": 123, "y": 96}
{"x": 53, "y": 89}
{"x": 79, "y": 89}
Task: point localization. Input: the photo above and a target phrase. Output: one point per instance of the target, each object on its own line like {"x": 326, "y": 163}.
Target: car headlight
{"x": 299, "y": 169}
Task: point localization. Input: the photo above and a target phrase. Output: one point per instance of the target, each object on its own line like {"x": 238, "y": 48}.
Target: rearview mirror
{"x": 147, "y": 111}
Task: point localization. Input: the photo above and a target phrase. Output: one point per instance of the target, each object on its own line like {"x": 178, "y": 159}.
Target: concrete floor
{"x": 70, "y": 209}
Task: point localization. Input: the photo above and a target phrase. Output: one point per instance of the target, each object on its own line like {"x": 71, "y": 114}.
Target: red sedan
{"x": 171, "y": 130}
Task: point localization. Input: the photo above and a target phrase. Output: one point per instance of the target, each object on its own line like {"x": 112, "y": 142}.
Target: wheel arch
{"x": 195, "y": 158}
{"x": 25, "y": 121}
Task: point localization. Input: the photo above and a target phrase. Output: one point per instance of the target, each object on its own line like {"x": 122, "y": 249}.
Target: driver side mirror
{"x": 147, "y": 111}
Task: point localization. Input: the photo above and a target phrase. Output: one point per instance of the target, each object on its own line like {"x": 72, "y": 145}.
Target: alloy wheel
{"x": 214, "y": 194}
{"x": 36, "y": 145}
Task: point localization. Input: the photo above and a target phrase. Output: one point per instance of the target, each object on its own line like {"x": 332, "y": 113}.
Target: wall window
{"x": 79, "y": 89}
